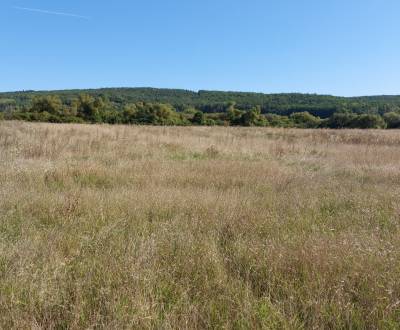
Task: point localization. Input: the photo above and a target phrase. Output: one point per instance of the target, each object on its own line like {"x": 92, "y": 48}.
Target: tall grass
{"x": 198, "y": 227}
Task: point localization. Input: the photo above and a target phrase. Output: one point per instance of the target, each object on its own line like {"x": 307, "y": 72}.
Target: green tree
{"x": 368, "y": 121}
{"x": 129, "y": 114}
{"x": 253, "y": 117}
{"x": 50, "y": 104}
{"x": 233, "y": 115}
{"x": 89, "y": 108}
{"x": 392, "y": 119}
{"x": 157, "y": 114}
{"x": 305, "y": 120}
{"x": 278, "y": 121}
{"x": 341, "y": 120}
{"x": 198, "y": 118}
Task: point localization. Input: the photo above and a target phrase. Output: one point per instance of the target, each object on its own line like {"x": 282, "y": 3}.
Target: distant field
{"x": 198, "y": 227}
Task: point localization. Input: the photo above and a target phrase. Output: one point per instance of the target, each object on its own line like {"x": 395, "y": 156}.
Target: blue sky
{"x": 328, "y": 46}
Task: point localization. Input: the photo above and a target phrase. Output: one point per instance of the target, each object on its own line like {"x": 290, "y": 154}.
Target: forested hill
{"x": 216, "y": 101}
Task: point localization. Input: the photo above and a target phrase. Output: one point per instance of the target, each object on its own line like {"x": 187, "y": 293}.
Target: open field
{"x": 198, "y": 227}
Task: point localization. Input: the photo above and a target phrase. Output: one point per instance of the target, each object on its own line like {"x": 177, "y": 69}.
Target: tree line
{"x": 89, "y": 109}
{"x": 322, "y": 106}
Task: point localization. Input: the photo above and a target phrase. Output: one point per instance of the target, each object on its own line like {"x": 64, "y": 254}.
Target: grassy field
{"x": 122, "y": 227}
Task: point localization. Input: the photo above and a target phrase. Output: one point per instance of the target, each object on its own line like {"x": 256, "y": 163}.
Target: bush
{"x": 305, "y": 120}
{"x": 368, "y": 121}
{"x": 392, "y": 119}
{"x": 157, "y": 114}
{"x": 253, "y": 117}
{"x": 89, "y": 108}
{"x": 47, "y": 104}
{"x": 112, "y": 117}
{"x": 198, "y": 118}
{"x": 234, "y": 116}
{"x": 341, "y": 120}
{"x": 278, "y": 121}
{"x": 351, "y": 120}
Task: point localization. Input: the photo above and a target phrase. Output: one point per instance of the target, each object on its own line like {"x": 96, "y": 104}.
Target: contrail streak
{"x": 51, "y": 12}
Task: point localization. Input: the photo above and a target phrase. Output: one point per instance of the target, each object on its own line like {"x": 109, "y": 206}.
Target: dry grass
{"x": 148, "y": 227}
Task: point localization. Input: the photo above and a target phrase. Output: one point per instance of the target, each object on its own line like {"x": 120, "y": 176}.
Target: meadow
{"x": 142, "y": 227}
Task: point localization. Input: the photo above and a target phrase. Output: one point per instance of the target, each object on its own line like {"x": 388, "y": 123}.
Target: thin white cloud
{"x": 42, "y": 11}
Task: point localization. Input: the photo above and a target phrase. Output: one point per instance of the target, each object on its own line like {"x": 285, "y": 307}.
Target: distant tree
{"x": 392, "y": 119}
{"x": 112, "y": 117}
{"x": 351, "y": 120}
{"x": 129, "y": 114}
{"x": 7, "y": 104}
{"x": 253, "y": 117}
{"x": 212, "y": 122}
{"x": 233, "y": 115}
{"x": 278, "y": 121}
{"x": 89, "y": 108}
{"x": 199, "y": 118}
{"x": 341, "y": 120}
{"x": 49, "y": 104}
{"x": 189, "y": 110}
{"x": 368, "y": 121}
{"x": 157, "y": 114}
{"x": 305, "y": 120}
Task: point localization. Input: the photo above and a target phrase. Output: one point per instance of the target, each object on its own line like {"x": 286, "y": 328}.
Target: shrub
{"x": 157, "y": 114}
{"x": 278, "y": 121}
{"x": 253, "y": 117}
{"x": 341, "y": 120}
{"x": 305, "y": 120}
{"x": 47, "y": 104}
{"x": 368, "y": 121}
{"x": 198, "y": 118}
{"x": 89, "y": 108}
{"x": 392, "y": 119}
